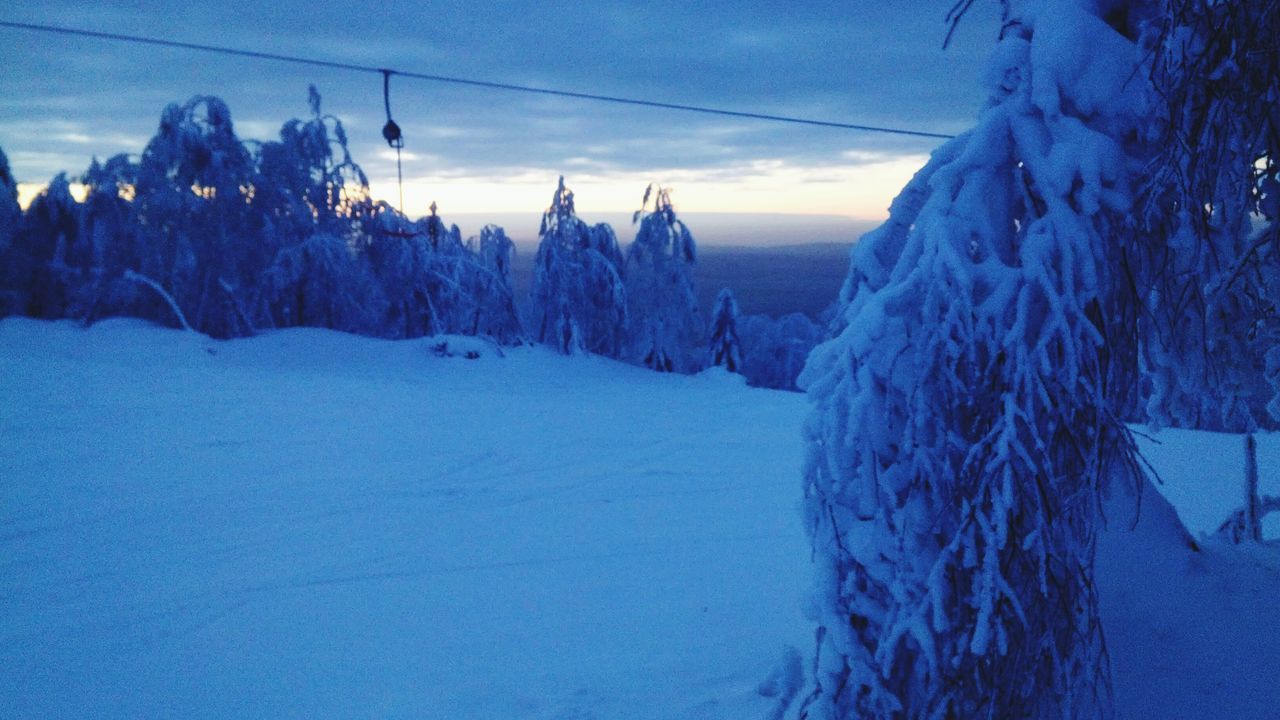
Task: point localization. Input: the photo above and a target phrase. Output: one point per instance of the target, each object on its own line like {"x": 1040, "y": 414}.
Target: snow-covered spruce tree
{"x": 310, "y": 200}
{"x": 774, "y": 351}
{"x": 963, "y": 427}
{"x": 395, "y": 252}
{"x": 10, "y": 218}
{"x": 1211, "y": 330}
{"x": 555, "y": 274}
{"x": 10, "y": 212}
{"x": 494, "y": 312}
{"x": 111, "y": 230}
{"x": 424, "y": 271}
{"x": 321, "y": 282}
{"x": 579, "y": 300}
{"x": 796, "y": 337}
{"x": 307, "y": 181}
{"x": 1211, "y": 316}
{"x": 760, "y": 337}
{"x": 606, "y": 321}
{"x": 455, "y": 276}
{"x": 51, "y": 253}
{"x": 724, "y": 349}
{"x": 196, "y": 229}
{"x": 661, "y": 303}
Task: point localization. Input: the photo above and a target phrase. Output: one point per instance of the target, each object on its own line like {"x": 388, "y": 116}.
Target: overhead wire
{"x": 510, "y": 87}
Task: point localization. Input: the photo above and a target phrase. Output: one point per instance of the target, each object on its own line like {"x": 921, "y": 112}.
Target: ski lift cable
{"x": 387, "y": 73}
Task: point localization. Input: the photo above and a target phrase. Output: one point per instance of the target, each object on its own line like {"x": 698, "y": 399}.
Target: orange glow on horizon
{"x": 860, "y": 192}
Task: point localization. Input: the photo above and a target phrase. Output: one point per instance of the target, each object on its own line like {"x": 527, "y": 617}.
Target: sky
{"x": 478, "y": 151}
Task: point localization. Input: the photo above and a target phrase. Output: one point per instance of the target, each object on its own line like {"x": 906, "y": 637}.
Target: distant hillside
{"x": 772, "y": 281}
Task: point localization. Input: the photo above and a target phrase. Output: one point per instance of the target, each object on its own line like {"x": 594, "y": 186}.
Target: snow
{"x": 1203, "y": 475}
{"x": 320, "y": 525}
{"x": 1191, "y": 633}
{"x": 312, "y": 524}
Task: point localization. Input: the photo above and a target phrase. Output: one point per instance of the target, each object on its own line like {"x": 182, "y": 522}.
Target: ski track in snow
{"x": 309, "y": 524}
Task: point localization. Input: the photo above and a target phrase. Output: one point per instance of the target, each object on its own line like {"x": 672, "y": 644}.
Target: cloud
{"x": 861, "y": 61}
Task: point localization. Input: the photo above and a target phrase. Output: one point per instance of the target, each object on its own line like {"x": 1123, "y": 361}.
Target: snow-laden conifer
{"x": 320, "y": 282}
{"x": 10, "y": 218}
{"x": 310, "y": 202}
{"x": 962, "y": 429}
{"x": 111, "y": 230}
{"x": 579, "y": 300}
{"x": 724, "y": 349}
{"x": 51, "y": 252}
{"x": 198, "y": 239}
{"x": 307, "y": 182}
{"x": 1210, "y": 327}
{"x": 774, "y": 351}
{"x": 1212, "y": 202}
{"x": 494, "y": 313}
{"x": 426, "y": 273}
{"x": 605, "y": 322}
{"x": 10, "y": 212}
{"x": 662, "y": 306}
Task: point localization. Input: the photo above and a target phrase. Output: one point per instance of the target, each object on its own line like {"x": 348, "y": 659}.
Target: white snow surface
{"x": 311, "y": 524}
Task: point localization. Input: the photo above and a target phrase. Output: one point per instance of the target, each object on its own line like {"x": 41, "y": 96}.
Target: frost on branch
{"x": 962, "y": 427}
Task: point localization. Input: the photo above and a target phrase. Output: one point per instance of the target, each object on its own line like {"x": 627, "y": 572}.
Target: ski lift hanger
{"x": 391, "y": 132}
{"x": 395, "y": 139}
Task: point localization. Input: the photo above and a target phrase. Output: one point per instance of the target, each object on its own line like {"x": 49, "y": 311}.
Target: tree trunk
{"x": 1252, "y": 523}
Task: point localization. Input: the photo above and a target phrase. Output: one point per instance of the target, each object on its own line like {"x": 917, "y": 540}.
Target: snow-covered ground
{"x": 310, "y": 524}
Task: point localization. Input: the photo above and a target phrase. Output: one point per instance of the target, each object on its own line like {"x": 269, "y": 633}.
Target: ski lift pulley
{"x": 390, "y": 131}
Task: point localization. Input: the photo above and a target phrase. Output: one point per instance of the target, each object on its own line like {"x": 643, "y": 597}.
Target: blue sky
{"x": 878, "y": 63}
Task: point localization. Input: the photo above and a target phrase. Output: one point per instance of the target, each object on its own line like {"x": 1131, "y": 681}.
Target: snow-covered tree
{"x": 10, "y": 212}
{"x": 963, "y": 425}
{"x": 1212, "y": 262}
{"x": 495, "y": 313}
{"x": 425, "y": 272}
{"x": 10, "y": 218}
{"x": 198, "y": 239}
{"x": 774, "y": 351}
{"x": 310, "y": 201}
{"x": 321, "y": 282}
{"x": 110, "y": 228}
{"x": 555, "y": 273}
{"x": 724, "y": 349}
{"x": 307, "y": 181}
{"x": 458, "y": 278}
{"x": 661, "y": 303}
{"x": 1212, "y": 201}
{"x": 51, "y": 252}
{"x": 579, "y": 299}
{"x": 434, "y": 283}
{"x": 605, "y": 322}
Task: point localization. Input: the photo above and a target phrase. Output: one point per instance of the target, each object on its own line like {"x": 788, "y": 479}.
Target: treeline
{"x": 230, "y": 237}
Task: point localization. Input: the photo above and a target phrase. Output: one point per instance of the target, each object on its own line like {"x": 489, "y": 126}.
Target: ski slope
{"x": 310, "y": 524}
